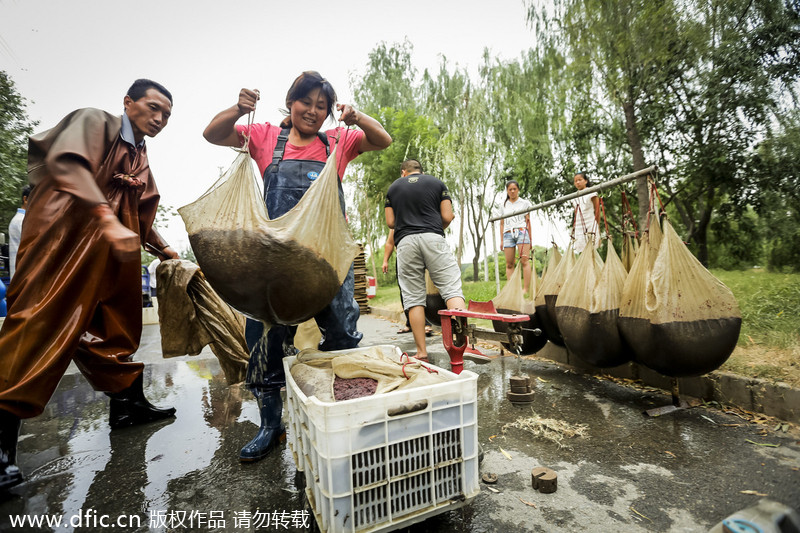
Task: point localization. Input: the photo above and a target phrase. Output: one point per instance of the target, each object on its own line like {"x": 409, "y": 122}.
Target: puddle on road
{"x": 75, "y": 462}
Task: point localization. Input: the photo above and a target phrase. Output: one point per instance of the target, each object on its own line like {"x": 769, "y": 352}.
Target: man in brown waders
{"x": 77, "y": 288}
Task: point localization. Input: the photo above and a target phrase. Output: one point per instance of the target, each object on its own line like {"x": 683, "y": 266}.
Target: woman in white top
{"x": 587, "y": 215}
{"x": 516, "y": 233}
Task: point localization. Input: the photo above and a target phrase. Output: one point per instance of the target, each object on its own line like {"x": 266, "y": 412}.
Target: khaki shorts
{"x": 430, "y": 251}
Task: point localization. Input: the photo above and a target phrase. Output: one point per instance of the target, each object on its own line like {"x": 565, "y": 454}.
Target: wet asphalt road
{"x": 682, "y": 472}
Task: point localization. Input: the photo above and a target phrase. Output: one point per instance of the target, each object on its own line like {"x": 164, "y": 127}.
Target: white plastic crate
{"x": 389, "y": 460}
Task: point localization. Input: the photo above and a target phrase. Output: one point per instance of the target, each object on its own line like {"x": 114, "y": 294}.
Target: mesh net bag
{"x": 548, "y": 294}
{"x": 433, "y": 301}
{"x": 552, "y": 262}
{"x": 679, "y": 319}
{"x": 192, "y": 316}
{"x": 629, "y": 248}
{"x": 319, "y": 373}
{"x": 513, "y": 300}
{"x": 587, "y": 309}
{"x": 281, "y": 271}
{"x": 633, "y": 316}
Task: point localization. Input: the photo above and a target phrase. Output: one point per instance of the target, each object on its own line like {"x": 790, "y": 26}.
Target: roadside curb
{"x": 752, "y": 394}
{"x": 397, "y": 316}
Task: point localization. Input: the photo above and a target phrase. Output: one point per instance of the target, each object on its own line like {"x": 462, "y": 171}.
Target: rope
{"x": 650, "y": 203}
{"x": 408, "y": 361}
{"x": 250, "y": 119}
{"x": 627, "y": 216}
{"x": 662, "y": 211}
{"x": 653, "y": 196}
{"x": 577, "y": 211}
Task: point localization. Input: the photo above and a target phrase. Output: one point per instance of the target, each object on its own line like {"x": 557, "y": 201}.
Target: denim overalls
{"x": 285, "y": 182}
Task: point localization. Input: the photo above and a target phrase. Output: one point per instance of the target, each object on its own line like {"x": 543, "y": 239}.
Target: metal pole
{"x": 496, "y": 259}
{"x": 560, "y": 200}
{"x": 485, "y": 261}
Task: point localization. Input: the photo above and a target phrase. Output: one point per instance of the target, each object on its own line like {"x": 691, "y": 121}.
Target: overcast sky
{"x": 68, "y": 54}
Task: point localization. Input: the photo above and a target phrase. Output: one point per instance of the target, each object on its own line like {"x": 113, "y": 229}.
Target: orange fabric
{"x": 71, "y": 299}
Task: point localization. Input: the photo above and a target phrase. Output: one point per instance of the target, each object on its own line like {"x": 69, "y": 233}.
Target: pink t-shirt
{"x": 264, "y": 137}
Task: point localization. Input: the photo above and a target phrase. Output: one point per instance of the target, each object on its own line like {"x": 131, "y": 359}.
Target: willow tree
{"x": 468, "y": 157}
{"x": 387, "y": 92}
{"x": 617, "y": 53}
{"x": 15, "y": 127}
{"x": 696, "y": 83}
{"x": 525, "y": 112}
{"x": 742, "y": 65}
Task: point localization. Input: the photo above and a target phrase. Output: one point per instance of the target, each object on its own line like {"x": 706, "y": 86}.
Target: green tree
{"x": 386, "y": 91}
{"x": 413, "y": 136}
{"x": 388, "y": 80}
{"x": 525, "y": 110}
{"x": 697, "y": 83}
{"x": 745, "y": 57}
{"x": 15, "y": 128}
{"x": 774, "y": 169}
{"x": 616, "y": 54}
{"x": 468, "y": 157}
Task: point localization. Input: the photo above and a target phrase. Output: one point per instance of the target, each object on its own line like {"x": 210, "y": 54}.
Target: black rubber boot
{"x": 129, "y": 407}
{"x": 10, "y": 474}
{"x": 272, "y": 429}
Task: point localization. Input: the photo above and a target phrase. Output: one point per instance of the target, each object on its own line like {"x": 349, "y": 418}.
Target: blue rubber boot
{"x": 272, "y": 429}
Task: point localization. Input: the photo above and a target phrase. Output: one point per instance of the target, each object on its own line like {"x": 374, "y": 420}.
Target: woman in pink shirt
{"x": 290, "y": 157}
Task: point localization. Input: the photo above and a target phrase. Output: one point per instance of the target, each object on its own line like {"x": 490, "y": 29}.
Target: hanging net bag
{"x": 630, "y": 234}
{"x": 281, "y": 271}
{"x": 574, "y": 301}
{"x": 629, "y": 248}
{"x": 548, "y": 294}
{"x": 587, "y": 308}
{"x": 552, "y": 262}
{"x": 678, "y": 318}
{"x": 634, "y": 323}
{"x": 433, "y": 301}
{"x": 513, "y": 300}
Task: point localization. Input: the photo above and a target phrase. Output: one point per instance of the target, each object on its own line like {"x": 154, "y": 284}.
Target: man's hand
{"x": 125, "y": 244}
{"x": 169, "y": 253}
{"x": 385, "y": 267}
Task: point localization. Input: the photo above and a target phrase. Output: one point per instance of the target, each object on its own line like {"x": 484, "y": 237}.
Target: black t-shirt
{"x": 416, "y": 201}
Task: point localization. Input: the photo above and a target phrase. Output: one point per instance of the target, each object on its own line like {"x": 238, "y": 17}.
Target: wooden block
{"x": 544, "y": 480}
{"x": 489, "y": 478}
{"x": 519, "y": 381}
{"x": 516, "y": 397}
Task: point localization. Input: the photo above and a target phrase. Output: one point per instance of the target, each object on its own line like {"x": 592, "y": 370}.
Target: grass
{"x": 770, "y": 305}
{"x": 769, "y": 343}
{"x": 388, "y": 296}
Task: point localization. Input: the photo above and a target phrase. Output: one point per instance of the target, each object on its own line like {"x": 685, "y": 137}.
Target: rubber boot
{"x": 10, "y": 474}
{"x": 272, "y": 429}
{"x": 129, "y": 407}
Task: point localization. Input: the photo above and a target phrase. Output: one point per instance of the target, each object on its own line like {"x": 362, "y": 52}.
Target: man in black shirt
{"x": 419, "y": 209}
